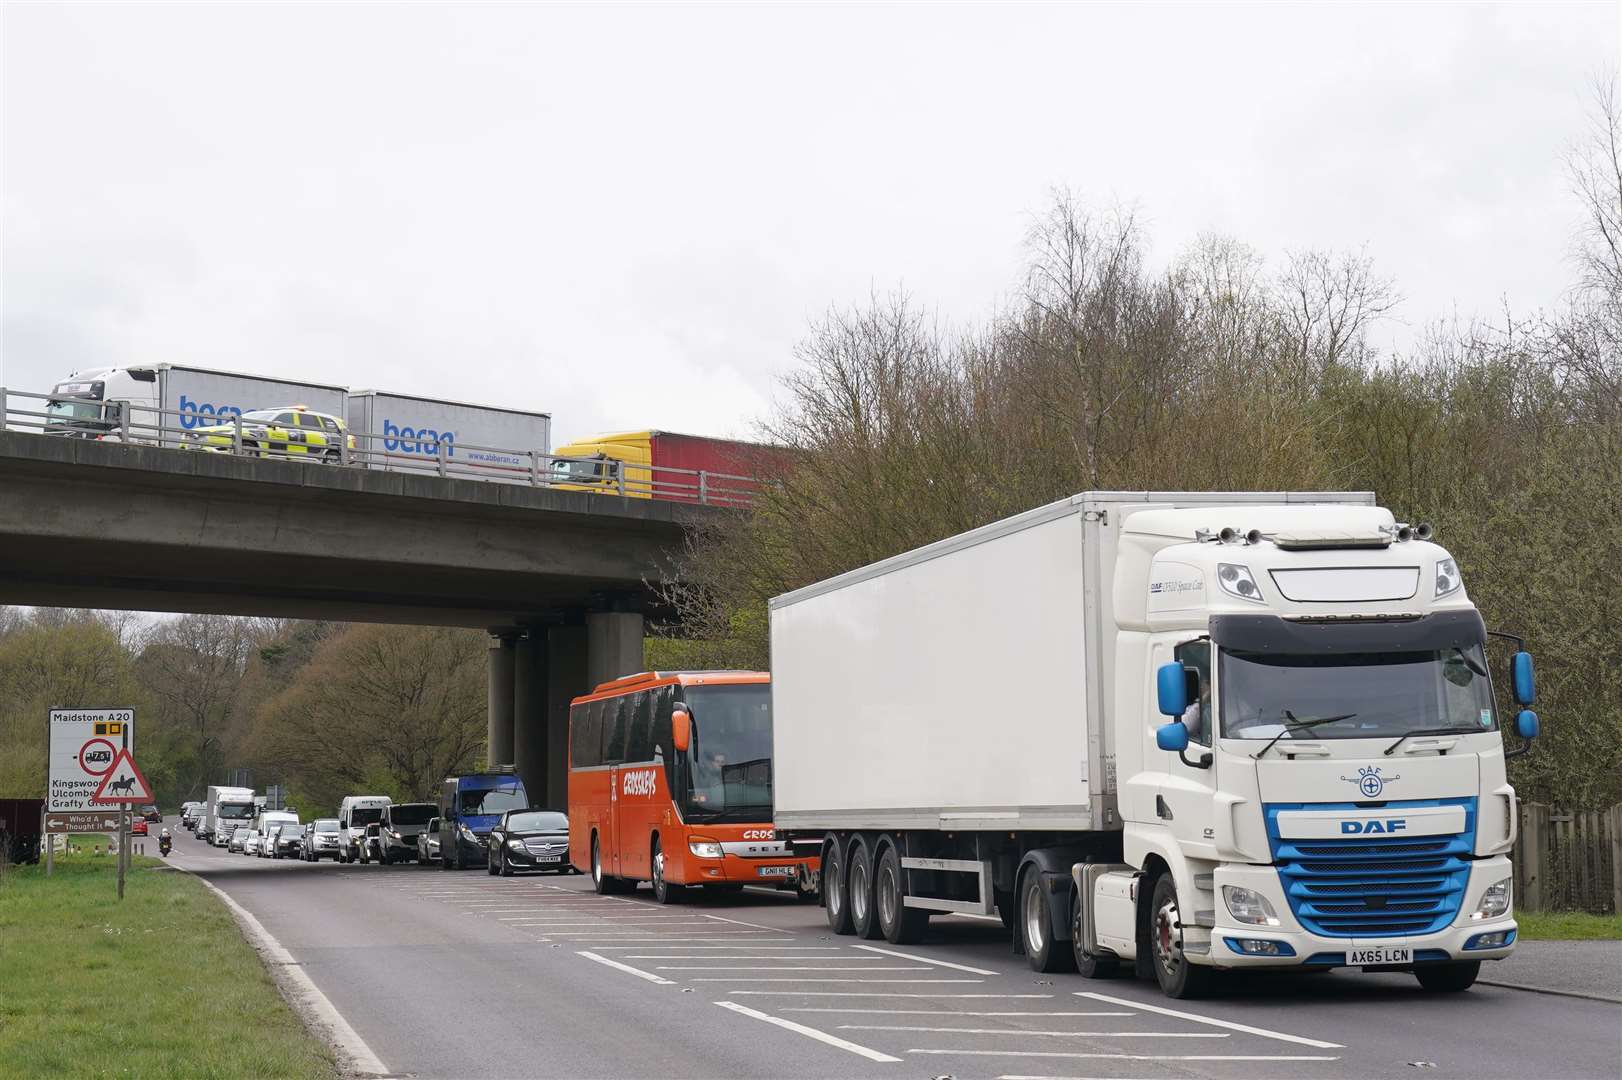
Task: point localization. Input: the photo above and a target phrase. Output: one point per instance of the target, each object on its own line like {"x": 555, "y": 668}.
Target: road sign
{"x": 99, "y": 821}
{"x": 84, "y": 743}
{"x": 123, "y": 783}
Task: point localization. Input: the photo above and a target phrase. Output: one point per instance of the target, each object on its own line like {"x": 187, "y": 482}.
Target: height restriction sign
{"x": 84, "y": 745}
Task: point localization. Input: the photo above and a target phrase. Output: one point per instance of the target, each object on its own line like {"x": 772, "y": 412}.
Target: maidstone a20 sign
{"x": 85, "y": 743}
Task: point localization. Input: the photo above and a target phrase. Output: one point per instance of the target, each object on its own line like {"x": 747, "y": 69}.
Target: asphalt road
{"x": 451, "y": 974}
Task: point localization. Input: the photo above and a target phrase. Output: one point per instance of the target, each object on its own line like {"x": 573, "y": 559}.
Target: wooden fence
{"x": 1569, "y": 860}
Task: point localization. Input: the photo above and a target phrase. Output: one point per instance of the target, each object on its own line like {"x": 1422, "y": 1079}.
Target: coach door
{"x": 613, "y": 715}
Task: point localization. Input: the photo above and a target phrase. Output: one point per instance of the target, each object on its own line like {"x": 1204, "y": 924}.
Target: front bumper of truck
{"x": 1235, "y": 944}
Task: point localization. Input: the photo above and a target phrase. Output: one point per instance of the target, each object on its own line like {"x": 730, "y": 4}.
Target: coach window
{"x": 663, "y": 705}
{"x": 639, "y": 734}
{"x": 587, "y": 736}
{"x": 614, "y": 710}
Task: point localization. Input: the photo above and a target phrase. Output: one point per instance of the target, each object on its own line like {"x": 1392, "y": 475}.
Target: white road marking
{"x": 740, "y": 922}
{"x": 1211, "y": 1020}
{"x": 783, "y": 956}
{"x": 942, "y": 1012}
{"x": 928, "y": 960}
{"x": 1022, "y": 1032}
{"x": 808, "y": 1032}
{"x": 638, "y": 972}
{"x": 841, "y": 980}
{"x": 885, "y": 994}
{"x": 1130, "y": 1057}
{"x": 775, "y": 967}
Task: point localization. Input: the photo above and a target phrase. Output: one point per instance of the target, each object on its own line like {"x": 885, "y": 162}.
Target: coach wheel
{"x": 663, "y": 890}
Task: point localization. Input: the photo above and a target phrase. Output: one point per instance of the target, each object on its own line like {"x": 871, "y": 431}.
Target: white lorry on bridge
{"x": 1174, "y": 732}
{"x": 159, "y": 403}
{"x": 400, "y": 432}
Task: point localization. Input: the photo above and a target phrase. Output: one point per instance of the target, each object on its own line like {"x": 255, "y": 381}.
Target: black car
{"x": 533, "y": 839}
{"x": 151, "y": 813}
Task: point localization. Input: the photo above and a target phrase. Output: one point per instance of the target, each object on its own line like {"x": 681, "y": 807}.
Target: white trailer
{"x": 227, "y": 807}
{"x": 1001, "y": 723}
{"x": 159, "y": 403}
{"x": 399, "y": 432}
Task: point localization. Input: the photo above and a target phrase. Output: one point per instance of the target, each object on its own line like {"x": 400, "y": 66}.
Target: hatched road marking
{"x": 1212, "y": 1021}
{"x": 808, "y": 1032}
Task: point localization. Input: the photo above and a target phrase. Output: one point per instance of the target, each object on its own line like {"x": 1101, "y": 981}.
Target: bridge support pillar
{"x": 614, "y": 645}
{"x": 500, "y": 699}
{"x": 567, "y": 679}
{"x": 530, "y": 714}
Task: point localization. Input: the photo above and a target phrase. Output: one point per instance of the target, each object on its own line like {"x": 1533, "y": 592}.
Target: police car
{"x": 291, "y": 431}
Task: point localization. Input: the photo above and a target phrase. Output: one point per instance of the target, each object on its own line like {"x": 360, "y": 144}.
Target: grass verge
{"x": 1567, "y": 926}
{"x": 162, "y": 984}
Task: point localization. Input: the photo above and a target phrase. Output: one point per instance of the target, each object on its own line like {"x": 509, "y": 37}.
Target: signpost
{"x": 123, "y": 783}
{"x": 84, "y": 744}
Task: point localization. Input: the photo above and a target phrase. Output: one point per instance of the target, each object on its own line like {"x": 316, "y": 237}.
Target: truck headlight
{"x": 1447, "y": 577}
{"x": 1494, "y": 900}
{"x": 1236, "y": 580}
{"x": 705, "y": 849}
{"x": 1249, "y": 906}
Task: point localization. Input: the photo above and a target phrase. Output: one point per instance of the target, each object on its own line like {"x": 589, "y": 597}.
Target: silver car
{"x": 239, "y": 838}
{"x": 320, "y": 840}
{"x": 428, "y": 844}
{"x": 250, "y": 842}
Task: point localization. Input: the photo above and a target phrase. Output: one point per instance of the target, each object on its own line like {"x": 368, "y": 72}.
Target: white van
{"x": 354, "y": 814}
{"x": 266, "y": 819}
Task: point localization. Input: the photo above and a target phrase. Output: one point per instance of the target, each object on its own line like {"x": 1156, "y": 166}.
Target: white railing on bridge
{"x": 25, "y": 411}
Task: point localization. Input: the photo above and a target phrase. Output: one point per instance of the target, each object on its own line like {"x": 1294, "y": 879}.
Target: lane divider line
{"x": 808, "y": 1032}
{"x": 881, "y": 994}
{"x": 1212, "y": 1021}
{"x": 628, "y": 969}
{"x": 927, "y": 960}
{"x": 865, "y": 1011}
{"x": 1057, "y": 1034}
{"x": 1132, "y": 1057}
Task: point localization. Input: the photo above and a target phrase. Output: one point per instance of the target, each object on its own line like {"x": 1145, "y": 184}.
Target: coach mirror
{"x": 681, "y": 729}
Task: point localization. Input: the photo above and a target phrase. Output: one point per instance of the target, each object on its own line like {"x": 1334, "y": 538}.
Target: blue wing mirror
{"x": 1172, "y": 737}
{"x": 1171, "y": 688}
{"x": 1525, "y": 681}
{"x": 1526, "y": 723}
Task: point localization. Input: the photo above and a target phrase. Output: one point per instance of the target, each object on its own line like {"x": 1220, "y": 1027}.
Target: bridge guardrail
{"x": 433, "y": 457}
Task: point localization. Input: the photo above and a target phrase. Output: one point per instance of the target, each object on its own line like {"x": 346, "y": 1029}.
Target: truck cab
{"x": 1310, "y": 751}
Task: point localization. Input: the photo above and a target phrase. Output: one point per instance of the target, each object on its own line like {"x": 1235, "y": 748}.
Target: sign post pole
{"x": 123, "y": 847}
{"x": 50, "y": 849}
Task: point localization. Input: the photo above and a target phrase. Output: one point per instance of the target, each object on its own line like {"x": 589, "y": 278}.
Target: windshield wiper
{"x": 1299, "y": 725}
{"x": 1429, "y": 731}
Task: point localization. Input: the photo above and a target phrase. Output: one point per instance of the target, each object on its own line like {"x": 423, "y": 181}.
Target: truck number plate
{"x": 777, "y": 871}
{"x": 1375, "y": 957}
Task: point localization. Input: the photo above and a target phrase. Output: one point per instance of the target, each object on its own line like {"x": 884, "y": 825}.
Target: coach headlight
{"x": 705, "y": 849}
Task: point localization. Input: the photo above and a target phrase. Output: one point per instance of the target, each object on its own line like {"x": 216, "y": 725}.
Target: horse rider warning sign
{"x": 123, "y": 783}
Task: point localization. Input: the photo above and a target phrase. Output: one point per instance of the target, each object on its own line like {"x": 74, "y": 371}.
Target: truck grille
{"x": 1374, "y": 886}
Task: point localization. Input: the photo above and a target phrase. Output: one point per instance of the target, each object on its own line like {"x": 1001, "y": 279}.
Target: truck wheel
{"x": 1177, "y": 977}
{"x": 900, "y": 924}
{"x": 1088, "y": 966}
{"x": 1448, "y": 978}
{"x": 663, "y": 890}
{"x": 1006, "y": 908}
{"x": 835, "y": 889}
{"x": 1042, "y": 952}
{"x": 864, "y": 919}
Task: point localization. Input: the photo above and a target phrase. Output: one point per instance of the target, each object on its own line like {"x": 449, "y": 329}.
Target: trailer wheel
{"x": 864, "y": 917}
{"x": 900, "y": 924}
{"x": 835, "y": 889}
{"x": 1042, "y": 952}
{"x": 1177, "y": 977}
{"x": 1088, "y": 966}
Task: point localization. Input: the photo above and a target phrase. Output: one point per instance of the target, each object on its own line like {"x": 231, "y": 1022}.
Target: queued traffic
{"x": 1297, "y": 762}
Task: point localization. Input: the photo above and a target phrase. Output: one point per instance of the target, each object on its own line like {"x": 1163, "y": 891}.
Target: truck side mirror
{"x": 1525, "y": 680}
{"x": 1526, "y": 724}
{"x": 1171, "y": 688}
{"x": 681, "y": 730}
{"x": 1172, "y": 737}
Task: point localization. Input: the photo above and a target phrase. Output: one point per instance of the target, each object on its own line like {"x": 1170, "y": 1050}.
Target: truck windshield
{"x": 234, "y": 811}
{"x": 73, "y": 410}
{"x": 1374, "y": 694}
{"x": 731, "y": 754}
{"x": 489, "y": 800}
{"x": 577, "y": 472}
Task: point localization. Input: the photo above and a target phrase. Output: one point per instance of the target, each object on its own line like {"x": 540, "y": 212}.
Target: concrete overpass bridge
{"x": 561, "y": 580}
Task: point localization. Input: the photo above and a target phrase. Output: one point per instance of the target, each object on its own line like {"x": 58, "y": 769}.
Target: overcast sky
{"x": 627, "y": 215}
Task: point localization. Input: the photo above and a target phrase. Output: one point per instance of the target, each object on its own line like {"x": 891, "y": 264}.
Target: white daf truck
{"x": 1170, "y": 732}
{"x": 226, "y": 809}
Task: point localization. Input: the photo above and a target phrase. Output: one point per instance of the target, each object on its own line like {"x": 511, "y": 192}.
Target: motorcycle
{"x": 165, "y": 842}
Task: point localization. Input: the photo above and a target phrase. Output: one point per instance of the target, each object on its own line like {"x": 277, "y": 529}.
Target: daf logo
{"x": 1369, "y": 781}
{"x": 1389, "y": 825}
